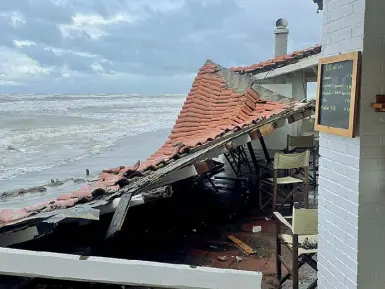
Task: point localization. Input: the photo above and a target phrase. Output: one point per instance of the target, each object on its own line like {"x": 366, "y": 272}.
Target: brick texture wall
{"x": 340, "y": 163}
{"x": 352, "y": 171}
{"x": 371, "y": 257}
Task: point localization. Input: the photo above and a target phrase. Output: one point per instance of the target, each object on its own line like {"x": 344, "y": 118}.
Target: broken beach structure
{"x": 224, "y": 109}
{"x": 228, "y": 112}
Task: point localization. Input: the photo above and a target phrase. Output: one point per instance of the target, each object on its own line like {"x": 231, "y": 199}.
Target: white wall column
{"x": 299, "y": 92}
{"x": 352, "y": 171}
{"x": 299, "y": 85}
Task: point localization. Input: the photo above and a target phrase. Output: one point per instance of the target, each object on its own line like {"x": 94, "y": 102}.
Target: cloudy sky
{"x": 138, "y": 46}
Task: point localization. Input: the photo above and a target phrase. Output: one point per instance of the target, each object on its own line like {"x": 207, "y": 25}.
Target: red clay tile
{"x": 211, "y": 109}
{"x": 280, "y": 61}
{"x": 112, "y": 171}
{"x": 9, "y": 215}
{"x": 64, "y": 197}
{"x": 111, "y": 180}
{"x": 84, "y": 192}
{"x": 66, "y": 203}
{"x": 36, "y": 207}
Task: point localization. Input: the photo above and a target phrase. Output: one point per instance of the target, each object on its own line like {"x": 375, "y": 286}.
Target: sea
{"x": 58, "y": 137}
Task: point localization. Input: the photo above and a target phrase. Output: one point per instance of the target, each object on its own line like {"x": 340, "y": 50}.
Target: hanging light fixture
{"x": 320, "y": 5}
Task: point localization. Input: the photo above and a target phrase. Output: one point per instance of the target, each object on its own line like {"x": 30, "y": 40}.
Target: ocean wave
{"x": 18, "y": 163}
{"x": 88, "y": 96}
{"x": 10, "y": 174}
{"x": 62, "y": 107}
{"x": 49, "y": 131}
{"x": 32, "y": 141}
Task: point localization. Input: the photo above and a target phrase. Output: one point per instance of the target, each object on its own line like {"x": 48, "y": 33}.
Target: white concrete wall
{"x": 352, "y": 171}
{"x": 122, "y": 272}
{"x": 277, "y": 139}
{"x": 284, "y": 89}
{"x": 339, "y": 164}
{"x": 299, "y": 86}
{"x": 294, "y": 88}
{"x": 371, "y": 223}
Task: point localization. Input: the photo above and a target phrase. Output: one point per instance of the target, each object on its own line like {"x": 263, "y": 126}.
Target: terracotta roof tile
{"x": 214, "y": 106}
{"x": 279, "y": 61}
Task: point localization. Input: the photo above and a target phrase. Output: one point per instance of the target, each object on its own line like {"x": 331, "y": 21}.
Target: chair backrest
{"x": 305, "y": 221}
{"x": 305, "y": 141}
{"x": 291, "y": 161}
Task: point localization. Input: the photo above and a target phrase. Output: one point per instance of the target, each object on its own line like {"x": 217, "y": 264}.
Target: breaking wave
{"x": 40, "y": 132}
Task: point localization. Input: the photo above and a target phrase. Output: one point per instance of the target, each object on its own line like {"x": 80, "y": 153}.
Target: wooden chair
{"x": 286, "y": 163}
{"x": 302, "y": 242}
{"x": 303, "y": 143}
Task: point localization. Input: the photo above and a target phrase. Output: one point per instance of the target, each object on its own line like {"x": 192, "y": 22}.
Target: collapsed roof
{"x": 221, "y": 106}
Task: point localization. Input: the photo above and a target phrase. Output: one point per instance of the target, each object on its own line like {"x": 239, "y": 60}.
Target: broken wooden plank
{"x": 266, "y": 129}
{"x": 25, "y": 263}
{"x": 119, "y": 215}
{"x": 248, "y": 250}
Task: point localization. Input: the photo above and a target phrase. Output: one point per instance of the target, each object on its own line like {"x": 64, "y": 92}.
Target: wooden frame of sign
{"x": 337, "y": 94}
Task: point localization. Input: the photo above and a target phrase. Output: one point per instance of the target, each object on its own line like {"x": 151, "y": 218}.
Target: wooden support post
{"x": 314, "y": 170}
{"x": 295, "y": 263}
{"x": 265, "y": 151}
{"x": 205, "y": 176}
{"x": 252, "y": 155}
{"x": 119, "y": 215}
{"x": 278, "y": 251}
{"x": 231, "y": 164}
{"x": 257, "y": 169}
{"x": 245, "y": 158}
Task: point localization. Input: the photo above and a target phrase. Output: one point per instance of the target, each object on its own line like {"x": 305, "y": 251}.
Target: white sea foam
{"x": 40, "y": 132}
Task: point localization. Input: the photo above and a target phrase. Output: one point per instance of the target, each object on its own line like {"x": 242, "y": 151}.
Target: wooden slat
{"x": 282, "y": 220}
{"x": 266, "y": 129}
{"x": 285, "y": 265}
{"x": 248, "y": 250}
{"x": 119, "y": 215}
{"x": 354, "y": 96}
{"x": 378, "y": 105}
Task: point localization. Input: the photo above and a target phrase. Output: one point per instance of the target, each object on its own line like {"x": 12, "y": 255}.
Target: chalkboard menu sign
{"x": 336, "y": 94}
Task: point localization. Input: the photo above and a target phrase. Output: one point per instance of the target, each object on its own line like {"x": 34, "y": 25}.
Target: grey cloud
{"x": 162, "y": 41}
{"x": 167, "y": 42}
{"x": 48, "y": 58}
{"x": 40, "y": 31}
{"x": 40, "y": 9}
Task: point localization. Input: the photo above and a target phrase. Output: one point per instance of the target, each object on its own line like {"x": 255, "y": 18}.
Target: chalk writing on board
{"x": 335, "y": 93}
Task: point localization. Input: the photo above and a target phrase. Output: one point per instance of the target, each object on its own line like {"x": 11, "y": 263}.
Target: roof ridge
{"x": 279, "y": 61}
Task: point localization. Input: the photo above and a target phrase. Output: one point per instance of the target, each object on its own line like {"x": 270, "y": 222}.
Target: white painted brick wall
{"x": 352, "y": 171}
{"x": 340, "y": 163}
{"x": 372, "y": 153}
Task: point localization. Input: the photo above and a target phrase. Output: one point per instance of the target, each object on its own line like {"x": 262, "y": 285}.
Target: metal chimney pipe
{"x": 281, "y": 37}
